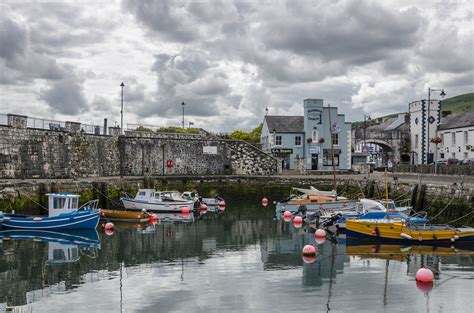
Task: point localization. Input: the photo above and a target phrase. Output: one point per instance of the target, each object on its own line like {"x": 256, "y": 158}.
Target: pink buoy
{"x": 202, "y": 207}
{"x": 287, "y": 214}
{"x": 424, "y": 275}
{"x": 320, "y": 241}
{"x": 320, "y": 233}
{"x": 153, "y": 217}
{"x": 321, "y": 206}
{"x": 424, "y": 287}
{"x": 102, "y": 214}
{"x": 264, "y": 201}
{"x": 287, "y": 218}
{"x": 309, "y": 259}
{"x": 298, "y": 220}
{"x": 109, "y": 232}
{"x": 185, "y": 210}
{"x": 221, "y": 204}
{"x": 109, "y": 226}
{"x": 309, "y": 250}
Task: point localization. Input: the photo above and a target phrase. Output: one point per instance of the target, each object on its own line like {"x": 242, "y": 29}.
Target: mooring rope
{"x": 113, "y": 201}
{"x": 453, "y": 221}
{"x": 447, "y": 205}
{"x": 38, "y": 204}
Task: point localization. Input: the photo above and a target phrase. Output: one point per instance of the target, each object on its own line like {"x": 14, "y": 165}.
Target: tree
{"x": 256, "y": 133}
{"x": 240, "y": 135}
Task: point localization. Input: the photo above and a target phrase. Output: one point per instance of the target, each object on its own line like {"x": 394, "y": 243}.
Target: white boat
{"x": 157, "y": 201}
{"x": 193, "y": 195}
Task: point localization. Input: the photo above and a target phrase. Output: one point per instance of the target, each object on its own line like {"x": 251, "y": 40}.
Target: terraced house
{"x": 304, "y": 142}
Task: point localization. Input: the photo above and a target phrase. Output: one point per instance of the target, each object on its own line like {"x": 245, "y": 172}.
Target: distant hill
{"x": 459, "y": 103}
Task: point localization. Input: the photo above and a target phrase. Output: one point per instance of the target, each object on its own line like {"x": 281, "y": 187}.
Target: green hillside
{"x": 459, "y": 103}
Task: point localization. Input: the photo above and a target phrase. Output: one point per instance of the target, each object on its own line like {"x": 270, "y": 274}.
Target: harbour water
{"x": 239, "y": 260}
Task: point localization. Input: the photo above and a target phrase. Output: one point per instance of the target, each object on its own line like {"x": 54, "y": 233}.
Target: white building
{"x": 423, "y": 127}
{"x": 457, "y": 136}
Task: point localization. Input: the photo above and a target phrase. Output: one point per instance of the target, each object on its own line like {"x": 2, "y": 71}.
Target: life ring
{"x": 169, "y": 163}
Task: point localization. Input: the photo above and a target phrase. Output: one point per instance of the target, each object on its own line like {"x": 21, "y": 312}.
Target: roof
{"x": 457, "y": 120}
{"x": 391, "y": 123}
{"x": 285, "y": 124}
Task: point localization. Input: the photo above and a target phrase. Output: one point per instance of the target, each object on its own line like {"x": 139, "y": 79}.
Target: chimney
{"x": 105, "y": 126}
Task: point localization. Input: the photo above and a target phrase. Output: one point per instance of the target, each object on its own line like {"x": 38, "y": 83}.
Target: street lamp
{"x": 366, "y": 118}
{"x": 442, "y": 94}
{"x": 182, "y": 104}
{"x": 121, "y": 110}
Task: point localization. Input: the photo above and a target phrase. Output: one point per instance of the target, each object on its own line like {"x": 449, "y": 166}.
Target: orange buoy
{"x": 320, "y": 241}
{"x": 309, "y": 259}
{"x": 264, "y": 201}
{"x": 320, "y": 233}
{"x": 309, "y": 250}
{"x": 424, "y": 275}
{"x": 109, "y": 226}
{"x": 424, "y": 287}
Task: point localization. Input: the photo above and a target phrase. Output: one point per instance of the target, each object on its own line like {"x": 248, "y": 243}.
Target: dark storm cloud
{"x": 13, "y": 38}
{"x": 66, "y": 97}
{"x": 354, "y": 32}
{"x": 163, "y": 18}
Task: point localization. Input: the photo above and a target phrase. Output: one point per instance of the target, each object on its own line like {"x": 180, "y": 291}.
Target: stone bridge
{"x": 391, "y": 134}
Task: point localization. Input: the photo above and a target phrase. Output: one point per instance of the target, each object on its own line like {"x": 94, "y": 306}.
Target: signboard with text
{"x": 209, "y": 150}
{"x": 313, "y": 149}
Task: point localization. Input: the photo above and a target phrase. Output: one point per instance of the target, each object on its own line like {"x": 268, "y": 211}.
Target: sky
{"x": 228, "y": 60}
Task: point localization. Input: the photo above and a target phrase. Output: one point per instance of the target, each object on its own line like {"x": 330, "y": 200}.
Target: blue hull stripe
{"x": 83, "y": 221}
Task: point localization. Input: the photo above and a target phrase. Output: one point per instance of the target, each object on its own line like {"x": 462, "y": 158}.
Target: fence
{"x": 40, "y": 123}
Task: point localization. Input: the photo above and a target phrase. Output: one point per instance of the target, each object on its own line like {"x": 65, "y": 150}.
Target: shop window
{"x": 327, "y": 159}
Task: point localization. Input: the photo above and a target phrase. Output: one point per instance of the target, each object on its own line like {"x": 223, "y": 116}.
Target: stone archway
{"x": 386, "y": 153}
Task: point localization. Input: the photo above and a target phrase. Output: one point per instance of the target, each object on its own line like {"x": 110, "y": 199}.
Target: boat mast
{"x": 332, "y": 151}
{"x": 386, "y": 193}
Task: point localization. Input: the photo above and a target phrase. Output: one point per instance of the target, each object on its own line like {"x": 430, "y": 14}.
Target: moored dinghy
{"x": 64, "y": 213}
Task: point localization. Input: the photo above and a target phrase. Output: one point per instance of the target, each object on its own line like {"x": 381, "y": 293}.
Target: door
{"x": 314, "y": 161}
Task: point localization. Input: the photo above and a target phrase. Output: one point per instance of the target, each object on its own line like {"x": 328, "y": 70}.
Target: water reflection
{"x": 241, "y": 260}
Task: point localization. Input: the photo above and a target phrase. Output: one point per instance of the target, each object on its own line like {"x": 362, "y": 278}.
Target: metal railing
{"x": 40, "y": 123}
{"x": 3, "y": 119}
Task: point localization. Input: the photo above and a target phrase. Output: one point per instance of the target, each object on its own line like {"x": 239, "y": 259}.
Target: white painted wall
{"x": 462, "y": 147}
{"x": 418, "y": 128}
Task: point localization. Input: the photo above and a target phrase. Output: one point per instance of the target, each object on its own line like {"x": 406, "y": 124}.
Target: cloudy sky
{"x": 228, "y": 60}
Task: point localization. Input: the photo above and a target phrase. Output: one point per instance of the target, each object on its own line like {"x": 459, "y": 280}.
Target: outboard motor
{"x": 332, "y": 220}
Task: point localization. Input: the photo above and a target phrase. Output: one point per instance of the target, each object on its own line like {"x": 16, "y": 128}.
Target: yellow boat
{"x": 125, "y": 216}
{"x": 400, "y": 252}
{"x": 399, "y": 231}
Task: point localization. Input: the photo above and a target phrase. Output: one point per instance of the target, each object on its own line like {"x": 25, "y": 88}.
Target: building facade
{"x": 457, "y": 136}
{"x": 423, "y": 127}
{"x": 306, "y": 140}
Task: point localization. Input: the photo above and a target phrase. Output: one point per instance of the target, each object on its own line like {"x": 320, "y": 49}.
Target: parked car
{"x": 453, "y": 161}
{"x": 467, "y": 162}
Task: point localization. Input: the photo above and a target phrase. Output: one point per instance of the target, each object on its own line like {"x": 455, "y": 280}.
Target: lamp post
{"x": 182, "y": 104}
{"x": 121, "y": 110}
{"x": 442, "y": 94}
{"x": 366, "y": 118}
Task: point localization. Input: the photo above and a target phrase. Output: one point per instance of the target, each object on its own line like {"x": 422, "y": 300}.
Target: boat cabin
{"x": 61, "y": 253}
{"x": 62, "y": 202}
{"x": 151, "y": 195}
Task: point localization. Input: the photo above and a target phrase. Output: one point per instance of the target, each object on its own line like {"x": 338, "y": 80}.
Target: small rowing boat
{"x": 125, "y": 216}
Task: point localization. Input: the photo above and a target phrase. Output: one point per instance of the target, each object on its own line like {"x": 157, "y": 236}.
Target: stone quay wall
{"x": 462, "y": 170}
{"x": 69, "y": 153}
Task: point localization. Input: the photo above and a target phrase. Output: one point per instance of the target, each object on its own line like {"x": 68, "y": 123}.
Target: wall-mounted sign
{"x": 282, "y": 150}
{"x": 314, "y": 149}
{"x": 328, "y": 151}
{"x": 315, "y": 115}
{"x": 209, "y": 150}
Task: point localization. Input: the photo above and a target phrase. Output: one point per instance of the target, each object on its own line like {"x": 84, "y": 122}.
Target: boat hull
{"x": 125, "y": 216}
{"x": 336, "y": 205}
{"x": 82, "y": 238}
{"x": 84, "y": 219}
{"x": 172, "y": 206}
{"x": 398, "y": 232}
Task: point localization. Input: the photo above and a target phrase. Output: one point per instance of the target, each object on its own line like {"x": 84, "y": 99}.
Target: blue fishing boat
{"x": 64, "y": 213}
{"x": 81, "y": 237}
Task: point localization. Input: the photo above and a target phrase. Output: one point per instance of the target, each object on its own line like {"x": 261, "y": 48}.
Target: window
{"x": 278, "y": 141}
{"x": 297, "y": 140}
{"x": 416, "y": 141}
{"x": 141, "y": 193}
{"x": 453, "y": 138}
{"x": 441, "y": 155}
{"x": 335, "y": 139}
{"x": 327, "y": 159}
{"x": 465, "y": 155}
{"x": 466, "y": 137}
{"x": 314, "y": 135}
{"x": 453, "y": 155}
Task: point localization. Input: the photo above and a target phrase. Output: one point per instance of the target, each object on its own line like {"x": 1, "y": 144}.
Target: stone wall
{"x": 67, "y": 153}
{"x": 467, "y": 170}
